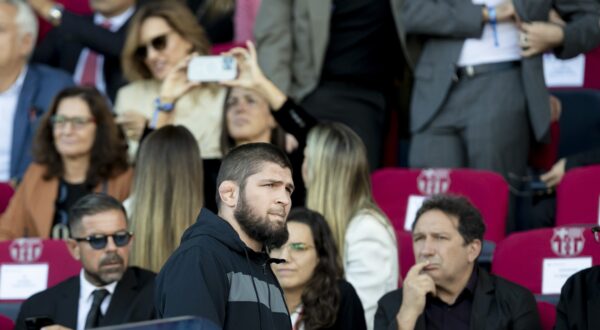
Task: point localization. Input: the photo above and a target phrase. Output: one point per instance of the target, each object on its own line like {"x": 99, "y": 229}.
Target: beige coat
{"x": 31, "y": 209}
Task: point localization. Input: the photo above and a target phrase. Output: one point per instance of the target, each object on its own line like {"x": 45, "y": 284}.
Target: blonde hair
{"x": 167, "y": 194}
{"x": 338, "y": 180}
{"x": 178, "y": 17}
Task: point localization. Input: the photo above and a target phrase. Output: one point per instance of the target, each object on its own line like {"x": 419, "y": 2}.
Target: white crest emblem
{"x": 433, "y": 181}
{"x": 24, "y": 250}
{"x": 567, "y": 241}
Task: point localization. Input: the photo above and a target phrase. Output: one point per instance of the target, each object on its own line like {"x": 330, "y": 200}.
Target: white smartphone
{"x": 212, "y": 68}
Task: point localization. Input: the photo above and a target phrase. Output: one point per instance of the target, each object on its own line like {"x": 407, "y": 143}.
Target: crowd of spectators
{"x": 102, "y": 105}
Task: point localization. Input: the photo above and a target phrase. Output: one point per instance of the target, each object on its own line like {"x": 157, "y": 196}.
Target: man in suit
{"x": 337, "y": 57}
{"x": 445, "y": 288}
{"x": 580, "y": 298}
{"x": 26, "y": 90}
{"x": 107, "y": 292}
{"x": 89, "y": 47}
{"x": 478, "y": 94}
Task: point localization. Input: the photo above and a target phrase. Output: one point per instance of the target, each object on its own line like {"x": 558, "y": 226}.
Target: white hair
{"x": 25, "y": 20}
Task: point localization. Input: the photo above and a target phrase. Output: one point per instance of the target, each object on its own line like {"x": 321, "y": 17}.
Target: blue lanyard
{"x": 493, "y": 23}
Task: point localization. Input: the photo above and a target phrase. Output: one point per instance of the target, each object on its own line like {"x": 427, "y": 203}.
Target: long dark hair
{"x": 321, "y": 296}
{"x": 108, "y": 156}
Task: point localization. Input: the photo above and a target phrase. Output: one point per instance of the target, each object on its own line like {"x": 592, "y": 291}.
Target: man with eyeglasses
{"x": 107, "y": 291}
{"x": 580, "y": 298}
{"x": 89, "y": 47}
{"x": 26, "y": 90}
{"x": 221, "y": 271}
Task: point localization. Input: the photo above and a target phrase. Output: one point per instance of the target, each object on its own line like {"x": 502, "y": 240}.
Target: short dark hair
{"x": 92, "y": 204}
{"x": 248, "y": 159}
{"x": 470, "y": 221}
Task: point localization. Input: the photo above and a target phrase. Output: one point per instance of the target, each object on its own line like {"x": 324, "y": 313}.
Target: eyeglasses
{"x": 295, "y": 249}
{"x": 59, "y": 121}
{"x": 596, "y": 231}
{"x": 159, "y": 43}
{"x": 98, "y": 242}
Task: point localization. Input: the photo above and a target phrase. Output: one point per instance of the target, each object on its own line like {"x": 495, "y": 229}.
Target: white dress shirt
{"x": 8, "y": 108}
{"x": 86, "y": 299}
{"x": 483, "y": 50}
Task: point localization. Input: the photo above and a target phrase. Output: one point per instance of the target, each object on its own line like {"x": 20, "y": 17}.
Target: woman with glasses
{"x": 162, "y": 38}
{"x": 167, "y": 194}
{"x": 76, "y": 151}
{"x": 311, "y": 276}
{"x": 338, "y": 185}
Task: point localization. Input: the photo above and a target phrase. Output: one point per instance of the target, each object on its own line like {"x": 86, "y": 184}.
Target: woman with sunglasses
{"x": 167, "y": 194}
{"x": 162, "y": 38}
{"x": 77, "y": 150}
{"x": 315, "y": 292}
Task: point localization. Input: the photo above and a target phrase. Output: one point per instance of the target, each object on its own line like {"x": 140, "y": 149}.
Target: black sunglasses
{"x": 159, "y": 43}
{"x": 98, "y": 242}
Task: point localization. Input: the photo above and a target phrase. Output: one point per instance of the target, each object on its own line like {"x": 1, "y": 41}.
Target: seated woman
{"x": 76, "y": 150}
{"x": 338, "y": 185}
{"x": 315, "y": 292}
{"x": 257, "y": 111}
{"x": 167, "y": 194}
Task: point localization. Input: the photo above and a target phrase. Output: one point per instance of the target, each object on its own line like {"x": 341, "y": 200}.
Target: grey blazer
{"x": 444, "y": 26}
{"x": 292, "y": 38}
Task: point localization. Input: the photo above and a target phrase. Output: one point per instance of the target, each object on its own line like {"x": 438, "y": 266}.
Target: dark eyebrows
{"x": 288, "y": 186}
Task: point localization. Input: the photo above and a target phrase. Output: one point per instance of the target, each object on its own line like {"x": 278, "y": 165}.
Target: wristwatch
{"x": 55, "y": 14}
{"x": 164, "y": 107}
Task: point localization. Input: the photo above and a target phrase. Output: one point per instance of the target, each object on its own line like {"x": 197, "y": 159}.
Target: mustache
{"x": 111, "y": 258}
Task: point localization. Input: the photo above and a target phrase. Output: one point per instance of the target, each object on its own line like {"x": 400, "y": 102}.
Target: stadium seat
{"x": 406, "y": 256}
{"x": 578, "y": 197}
{"x": 579, "y": 121}
{"x": 547, "y": 313}
{"x": 32, "y": 251}
{"x": 6, "y": 192}
{"x": 488, "y": 191}
{"x": 520, "y": 257}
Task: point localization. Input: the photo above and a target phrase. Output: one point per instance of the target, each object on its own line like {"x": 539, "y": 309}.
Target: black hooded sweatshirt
{"x": 214, "y": 275}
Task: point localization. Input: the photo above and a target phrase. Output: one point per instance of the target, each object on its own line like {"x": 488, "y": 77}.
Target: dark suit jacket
{"x": 132, "y": 301}
{"x": 498, "y": 304}
{"x": 444, "y": 26}
{"x": 41, "y": 84}
{"x": 580, "y": 301}
{"x": 63, "y": 44}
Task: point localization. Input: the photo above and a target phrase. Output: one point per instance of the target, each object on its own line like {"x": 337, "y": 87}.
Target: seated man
{"x": 25, "y": 90}
{"x": 89, "y": 47}
{"x": 445, "y": 289}
{"x": 107, "y": 292}
{"x": 580, "y": 298}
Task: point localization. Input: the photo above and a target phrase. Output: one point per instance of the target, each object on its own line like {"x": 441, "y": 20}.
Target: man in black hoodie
{"x": 221, "y": 271}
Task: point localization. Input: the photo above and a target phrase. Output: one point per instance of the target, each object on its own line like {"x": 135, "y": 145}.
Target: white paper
{"x": 598, "y": 209}
{"x": 564, "y": 73}
{"x": 19, "y": 281}
{"x": 413, "y": 205}
{"x": 556, "y": 271}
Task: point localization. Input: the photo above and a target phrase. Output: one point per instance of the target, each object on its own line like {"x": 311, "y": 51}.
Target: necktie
{"x": 90, "y": 67}
{"x": 95, "y": 314}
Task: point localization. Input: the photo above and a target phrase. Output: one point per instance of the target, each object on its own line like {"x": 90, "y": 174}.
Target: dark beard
{"x": 257, "y": 228}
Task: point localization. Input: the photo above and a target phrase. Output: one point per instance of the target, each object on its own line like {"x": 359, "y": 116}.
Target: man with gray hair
{"x": 26, "y": 90}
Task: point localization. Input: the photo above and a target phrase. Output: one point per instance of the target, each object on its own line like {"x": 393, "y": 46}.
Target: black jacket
{"x": 214, "y": 275}
{"x": 580, "y": 301}
{"x": 498, "y": 304}
{"x": 131, "y": 302}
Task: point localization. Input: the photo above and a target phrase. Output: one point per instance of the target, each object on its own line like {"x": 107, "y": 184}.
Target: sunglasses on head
{"x": 98, "y": 242}
{"x": 158, "y": 43}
